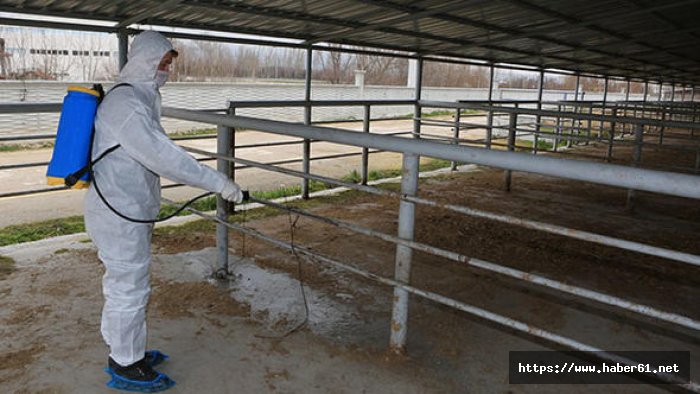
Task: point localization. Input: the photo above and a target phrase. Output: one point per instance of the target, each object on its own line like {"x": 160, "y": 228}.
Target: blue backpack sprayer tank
{"x": 71, "y": 151}
{"x": 71, "y": 163}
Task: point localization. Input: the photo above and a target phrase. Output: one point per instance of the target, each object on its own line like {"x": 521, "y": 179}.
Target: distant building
{"x": 58, "y": 55}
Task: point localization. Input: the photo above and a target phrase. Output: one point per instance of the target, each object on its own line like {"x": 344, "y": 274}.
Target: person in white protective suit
{"x": 129, "y": 179}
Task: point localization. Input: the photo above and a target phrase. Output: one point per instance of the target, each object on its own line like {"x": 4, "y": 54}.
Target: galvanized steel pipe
{"x": 607, "y": 174}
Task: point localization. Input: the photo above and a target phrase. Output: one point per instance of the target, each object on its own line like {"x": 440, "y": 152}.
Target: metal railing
{"x": 455, "y": 150}
{"x": 36, "y": 108}
{"x": 675, "y": 184}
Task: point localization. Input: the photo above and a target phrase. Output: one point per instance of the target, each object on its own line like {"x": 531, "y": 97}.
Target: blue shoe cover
{"x": 161, "y": 383}
{"x": 155, "y": 357}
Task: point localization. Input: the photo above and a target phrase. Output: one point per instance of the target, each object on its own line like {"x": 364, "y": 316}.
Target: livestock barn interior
{"x": 560, "y": 225}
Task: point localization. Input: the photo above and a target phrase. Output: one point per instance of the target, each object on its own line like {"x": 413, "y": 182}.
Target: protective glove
{"x": 232, "y": 192}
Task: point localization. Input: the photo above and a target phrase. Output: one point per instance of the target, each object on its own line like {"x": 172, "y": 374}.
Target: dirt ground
{"x": 219, "y": 334}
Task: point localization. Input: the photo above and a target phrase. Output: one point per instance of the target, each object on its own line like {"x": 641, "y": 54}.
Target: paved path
{"x": 26, "y": 209}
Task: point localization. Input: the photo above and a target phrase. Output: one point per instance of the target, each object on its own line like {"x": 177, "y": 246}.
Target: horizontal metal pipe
{"x": 607, "y": 174}
{"x": 30, "y": 108}
{"x": 35, "y": 191}
{"x": 499, "y": 101}
{"x": 281, "y": 143}
{"x": 569, "y": 115}
{"x": 316, "y": 103}
{"x": 27, "y": 137}
{"x": 470, "y": 309}
{"x": 499, "y": 269}
{"x": 525, "y": 223}
{"x": 388, "y": 118}
{"x": 23, "y": 165}
{"x": 327, "y": 157}
{"x": 194, "y": 137}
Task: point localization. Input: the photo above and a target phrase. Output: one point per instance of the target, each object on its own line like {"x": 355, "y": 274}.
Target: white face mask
{"x": 161, "y": 77}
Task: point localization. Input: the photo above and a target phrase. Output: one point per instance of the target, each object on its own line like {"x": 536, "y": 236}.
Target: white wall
{"x": 217, "y": 95}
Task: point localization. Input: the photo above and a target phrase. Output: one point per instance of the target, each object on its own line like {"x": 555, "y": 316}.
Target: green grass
{"x": 7, "y": 266}
{"x": 442, "y": 112}
{"x": 40, "y": 230}
{"x": 434, "y": 164}
{"x": 193, "y": 132}
{"x": 26, "y": 146}
{"x": 541, "y": 144}
{"x": 74, "y": 224}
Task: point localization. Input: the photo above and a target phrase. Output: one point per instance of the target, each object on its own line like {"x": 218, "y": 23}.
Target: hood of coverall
{"x": 145, "y": 53}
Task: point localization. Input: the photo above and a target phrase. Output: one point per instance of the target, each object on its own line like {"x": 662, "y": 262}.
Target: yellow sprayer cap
{"x": 83, "y": 90}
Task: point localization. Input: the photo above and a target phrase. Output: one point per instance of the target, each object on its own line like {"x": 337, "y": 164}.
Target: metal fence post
{"x": 644, "y": 100}
{"x": 399, "y": 315}
{"x": 489, "y": 117}
{"x": 663, "y": 127}
{"x": 224, "y": 144}
{"x": 306, "y": 161}
{"x": 590, "y": 125}
{"x": 512, "y": 126}
{"x": 571, "y": 130}
{"x": 407, "y": 215}
{"x": 557, "y": 131}
{"x": 458, "y": 115}
{"x": 365, "y": 151}
{"x": 123, "y": 39}
{"x": 611, "y": 138}
{"x": 636, "y": 160}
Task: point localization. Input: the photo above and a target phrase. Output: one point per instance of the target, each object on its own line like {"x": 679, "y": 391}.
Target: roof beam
{"x": 357, "y": 26}
{"x": 620, "y": 36}
{"x": 241, "y": 8}
{"x": 585, "y": 23}
{"x": 510, "y": 31}
{"x": 408, "y": 16}
{"x": 148, "y": 13}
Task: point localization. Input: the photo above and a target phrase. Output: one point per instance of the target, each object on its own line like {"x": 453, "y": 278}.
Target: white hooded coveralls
{"x": 129, "y": 180}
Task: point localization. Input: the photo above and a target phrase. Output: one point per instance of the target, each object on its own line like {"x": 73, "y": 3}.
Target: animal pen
{"x": 457, "y": 34}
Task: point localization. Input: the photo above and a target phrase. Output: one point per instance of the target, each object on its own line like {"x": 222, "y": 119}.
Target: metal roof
{"x": 641, "y": 39}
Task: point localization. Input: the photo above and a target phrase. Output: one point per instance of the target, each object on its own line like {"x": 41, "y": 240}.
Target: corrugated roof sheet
{"x": 650, "y": 39}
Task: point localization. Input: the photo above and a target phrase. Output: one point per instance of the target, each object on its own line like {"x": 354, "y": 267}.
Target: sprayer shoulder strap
{"x": 112, "y": 149}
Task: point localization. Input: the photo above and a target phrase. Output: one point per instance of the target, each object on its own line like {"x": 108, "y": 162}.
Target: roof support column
{"x": 407, "y": 215}
{"x": 306, "y": 160}
{"x": 646, "y": 90}
{"x": 540, "y": 89}
{"x": 695, "y": 111}
{"x": 644, "y": 100}
{"x": 627, "y": 99}
{"x": 661, "y": 90}
{"x": 673, "y": 92}
{"x": 489, "y": 118}
{"x": 605, "y": 100}
{"x": 577, "y": 108}
{"x": 670, "y": 109}
{"x": 123, "y": 38}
